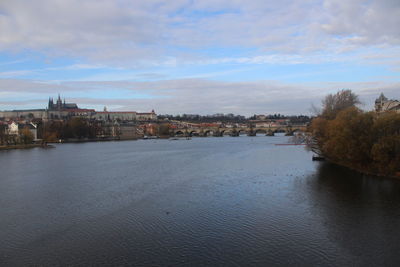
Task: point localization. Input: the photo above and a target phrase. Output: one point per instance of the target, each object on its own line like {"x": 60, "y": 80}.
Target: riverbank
{"x": 86, "y": 140}
{"x": 360, "y": 170}
{"x": 28, "y": 146}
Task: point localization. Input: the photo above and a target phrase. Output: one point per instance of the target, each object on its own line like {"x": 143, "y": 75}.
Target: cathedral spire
{"x": 51, "y": 103}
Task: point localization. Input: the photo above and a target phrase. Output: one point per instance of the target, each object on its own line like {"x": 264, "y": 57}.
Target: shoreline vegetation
{"x": 368, "y": 142}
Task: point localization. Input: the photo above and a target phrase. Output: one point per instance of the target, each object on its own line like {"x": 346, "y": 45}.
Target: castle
{"x": 383, "y": 104}
{"x": 59, "y": 105}
{"x": 60, "y": 110}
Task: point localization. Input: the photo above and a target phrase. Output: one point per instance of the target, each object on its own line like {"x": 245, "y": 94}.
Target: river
{"x": 203, "y": 202}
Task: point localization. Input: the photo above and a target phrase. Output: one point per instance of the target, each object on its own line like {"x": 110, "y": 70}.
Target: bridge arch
{"x": 179, "y": 133}
{"x": 294, "y": 131}
{"x": 241, "y": 132}
{"x": 208, "y": 133}
{"x": 280, "y": 130}
{"x": 297, "y": 130}
{"x": 226, "y": 132}
{"x": 260, "y": 131}
{"x": 194, "y": 133}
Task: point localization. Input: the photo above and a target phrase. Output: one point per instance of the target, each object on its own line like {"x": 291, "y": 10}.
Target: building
{"x": 115, "y": 115}
{"x": 15, "y": 129}
{"x": 60, "y": 110}
{"x": 24, "y": 114}
{"x": 54, "y": 111}
{"x": 149, "y": 116}
{"x": 124, "y": 116}
{"x": 261, "y": 117}
{"x": 128, "y": 131}
{"x": 60, "y": 105}
{"x": 383, "y": 104}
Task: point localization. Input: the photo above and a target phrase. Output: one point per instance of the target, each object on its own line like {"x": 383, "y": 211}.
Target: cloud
{"x": 156, "y": 32}
{"x": 107, "y": 42}
{"x": 200, "y": 96}
{"x": 90, "y": 28}
{"x": 79, "y": 67}
{"x": 361, "y": 22}
{"x": 16, "y": 73}
{"x": 12, "y": 62}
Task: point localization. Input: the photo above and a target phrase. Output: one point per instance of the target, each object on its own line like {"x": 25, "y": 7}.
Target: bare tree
{"x": 334, "y": 103}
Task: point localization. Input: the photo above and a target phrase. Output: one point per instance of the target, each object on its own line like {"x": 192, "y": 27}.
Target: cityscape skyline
{"x": 198, "y": 57}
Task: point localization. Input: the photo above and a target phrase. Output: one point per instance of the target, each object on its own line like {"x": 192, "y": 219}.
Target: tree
{"x": 52, "y": 131}
{"x": 26, "y": 136}
{"x": 334, "y": 103}
{"x": 76, "y": 128}
{"x": 164, "y": 129}
{"x": 3, "y": 134}
{"x": 365, "y": 141}
{"x": 385, "y": 150}
{"x": 349, "y": 138}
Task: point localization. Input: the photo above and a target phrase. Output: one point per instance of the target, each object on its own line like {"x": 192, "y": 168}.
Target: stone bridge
{"x": 231, "y": 131}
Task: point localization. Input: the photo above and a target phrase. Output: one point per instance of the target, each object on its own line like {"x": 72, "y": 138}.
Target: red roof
{"x": 80, "y": 110}
{"x": 110, "y": 112}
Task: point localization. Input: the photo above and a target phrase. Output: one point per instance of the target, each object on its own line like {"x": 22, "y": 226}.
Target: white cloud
{"x": 16, "y": 73}
{"x": 361, "y": 22}
{"x": 194, "y": 95}
{"x": 158, "y": 34}
{"x": 134, "y": 33}
{"x": 79, "y": 67}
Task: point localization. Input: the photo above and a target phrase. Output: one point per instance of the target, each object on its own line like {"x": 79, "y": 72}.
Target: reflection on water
{"x": 205, "y": 201}
{"x": 362, "y": 213}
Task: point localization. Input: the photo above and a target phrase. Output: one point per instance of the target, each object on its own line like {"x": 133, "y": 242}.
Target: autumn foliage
{"x": 76, "y": 128}
{"x": 26, "y": 136}
{"x": 366, "y": 141}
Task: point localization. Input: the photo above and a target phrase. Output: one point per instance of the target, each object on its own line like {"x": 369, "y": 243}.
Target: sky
{"x": 197, "y": 57}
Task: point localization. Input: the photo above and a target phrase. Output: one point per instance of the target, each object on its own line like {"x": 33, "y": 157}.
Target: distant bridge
{"x": 232, "y": 131}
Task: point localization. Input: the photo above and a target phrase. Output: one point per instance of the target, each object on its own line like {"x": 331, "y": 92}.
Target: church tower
{"x": 59, "y": 103}
{"x": 379, "y": 102}
{"x": 50, "y": 106}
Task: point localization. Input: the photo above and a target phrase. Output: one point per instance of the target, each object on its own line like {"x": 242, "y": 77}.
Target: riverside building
{"x": 383, "y": 104}
{"x": 60, "y": 110}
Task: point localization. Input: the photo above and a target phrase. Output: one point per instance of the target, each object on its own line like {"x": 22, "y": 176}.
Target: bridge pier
{"x": 217, "y": 134}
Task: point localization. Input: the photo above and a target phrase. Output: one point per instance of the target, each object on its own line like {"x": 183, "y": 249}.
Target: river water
{"x": 203, "y": 202}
